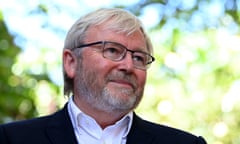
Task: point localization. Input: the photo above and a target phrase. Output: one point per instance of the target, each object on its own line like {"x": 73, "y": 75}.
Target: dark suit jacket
{"x": 58, "y": 129}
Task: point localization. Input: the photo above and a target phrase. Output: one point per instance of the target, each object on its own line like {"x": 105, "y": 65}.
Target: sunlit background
{"x": 194, "y": 84}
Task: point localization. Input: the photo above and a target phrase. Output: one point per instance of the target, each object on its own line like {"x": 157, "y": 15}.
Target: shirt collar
{"x": 75, "y": 112}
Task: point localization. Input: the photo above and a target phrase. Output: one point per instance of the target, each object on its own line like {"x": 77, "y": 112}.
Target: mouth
{"x": 123, "y": 83}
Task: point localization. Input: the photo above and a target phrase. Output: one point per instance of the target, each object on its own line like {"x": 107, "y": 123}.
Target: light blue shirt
{"x": 88, "y": 131}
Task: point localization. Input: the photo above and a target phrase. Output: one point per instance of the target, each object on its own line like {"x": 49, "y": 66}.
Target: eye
{"x": 139, "y": 58}
{"x": 111, "y": 50}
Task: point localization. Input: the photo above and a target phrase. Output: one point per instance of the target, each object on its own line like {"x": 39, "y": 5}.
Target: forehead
{"x": 133, "y": 40}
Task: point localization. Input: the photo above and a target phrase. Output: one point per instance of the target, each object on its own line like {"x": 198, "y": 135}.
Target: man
{"x": 105, "y": 60}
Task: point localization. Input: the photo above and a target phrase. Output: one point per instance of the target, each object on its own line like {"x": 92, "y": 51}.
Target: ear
{"x": 69, "y": 63}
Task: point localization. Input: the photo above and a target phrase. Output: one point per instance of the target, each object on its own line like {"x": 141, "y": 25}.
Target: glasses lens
{"x": 113, "y": 51}
{"x": 140, "y": 59}
{"x": 116, "y": 52}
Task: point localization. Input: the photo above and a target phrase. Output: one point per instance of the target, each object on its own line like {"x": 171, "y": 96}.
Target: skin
{"x": 104, "y": 89}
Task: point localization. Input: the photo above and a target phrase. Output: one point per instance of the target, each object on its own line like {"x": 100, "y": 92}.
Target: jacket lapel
{"x": 138, "y": 133}
{"x": 60, "y": 129}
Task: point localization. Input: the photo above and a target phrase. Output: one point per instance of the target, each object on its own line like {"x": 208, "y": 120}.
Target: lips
{"x": 123, "y": 83}
{"x": 122, "y": 80}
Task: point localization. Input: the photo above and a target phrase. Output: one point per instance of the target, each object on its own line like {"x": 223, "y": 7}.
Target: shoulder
{"x": 151, "y": 127}
{"x": 34, "y": 124}
{"x": 165, "y": 133}
{"x": 39, "y": 122}
{"x": 23, "y": 131}
{"x": 34, "y": 130}
{"x": 25, "y": 128}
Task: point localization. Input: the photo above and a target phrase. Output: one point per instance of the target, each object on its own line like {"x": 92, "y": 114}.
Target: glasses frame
{"x": 152, "y": 59}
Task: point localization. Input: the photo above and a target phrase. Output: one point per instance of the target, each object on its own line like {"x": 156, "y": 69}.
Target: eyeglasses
{"x": 116, "y": 52}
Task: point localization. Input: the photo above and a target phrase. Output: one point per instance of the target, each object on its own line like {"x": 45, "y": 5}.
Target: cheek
{"x": 95, "y": 59}
{"x": 141, "y": 78}
{"x": 98, "y": 65}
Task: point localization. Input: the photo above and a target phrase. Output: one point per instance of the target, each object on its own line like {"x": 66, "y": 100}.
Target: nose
{"x": 126, "y": 64}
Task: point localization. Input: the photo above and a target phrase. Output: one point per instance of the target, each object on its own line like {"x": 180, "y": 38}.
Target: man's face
{"x": 108, "y": 85}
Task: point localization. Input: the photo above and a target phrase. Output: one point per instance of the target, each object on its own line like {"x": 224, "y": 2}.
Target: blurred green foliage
{"x": 193, "y": 85}
{"x": 18, "y": 85}
{"x": 16, "y": 99}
